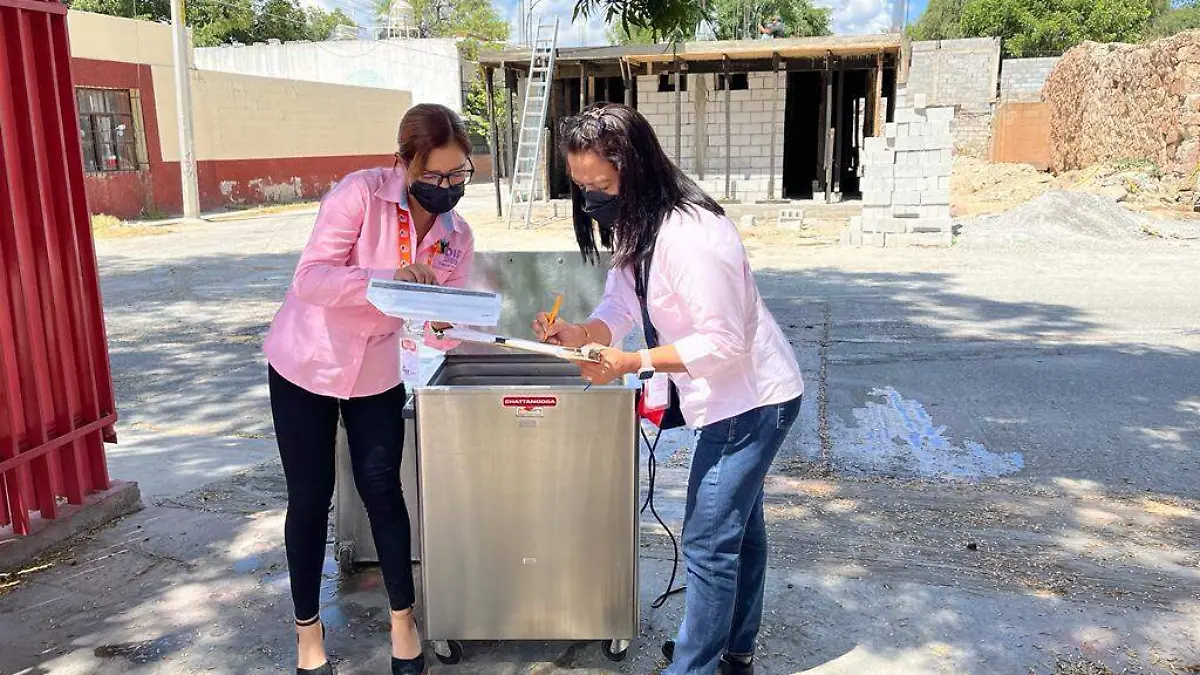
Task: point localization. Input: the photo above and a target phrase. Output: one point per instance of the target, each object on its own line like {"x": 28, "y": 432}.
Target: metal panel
{"x": 529, "y": 504}
{"x": 56, "y": 396}
{"x": 355, "y": 543}
{"x": 528, "y": 280}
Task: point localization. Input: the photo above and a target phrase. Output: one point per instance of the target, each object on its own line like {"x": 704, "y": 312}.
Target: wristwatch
{"x": 647, "y": 370}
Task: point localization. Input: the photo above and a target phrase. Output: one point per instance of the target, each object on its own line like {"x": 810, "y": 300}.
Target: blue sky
{"x": 849, "y": 16}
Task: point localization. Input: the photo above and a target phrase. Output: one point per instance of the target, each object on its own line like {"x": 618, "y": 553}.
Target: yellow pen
{"x": 554, "y": 310}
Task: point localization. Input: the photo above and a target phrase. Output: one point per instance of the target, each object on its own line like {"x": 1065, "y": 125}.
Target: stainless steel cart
{"x": 527, "y": 280}
{"x": 528, "y": 491}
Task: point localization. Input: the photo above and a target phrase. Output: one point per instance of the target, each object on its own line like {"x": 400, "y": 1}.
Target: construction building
{"x": 751, "y": 121}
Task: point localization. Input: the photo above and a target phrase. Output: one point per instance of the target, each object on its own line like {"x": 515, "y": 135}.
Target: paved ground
{"x": 997, "y": 471}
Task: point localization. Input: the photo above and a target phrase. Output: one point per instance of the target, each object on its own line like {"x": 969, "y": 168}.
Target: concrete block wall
{"x": 702, "y": 151}
{"x": 1021, "y": 80}
{"x": 906, "y": 181}
{"x": 956, "y": 72}
{"x": 964, "y": 74}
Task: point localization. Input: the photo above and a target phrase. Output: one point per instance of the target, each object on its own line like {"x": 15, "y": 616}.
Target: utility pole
{"x": 183, "y": 105}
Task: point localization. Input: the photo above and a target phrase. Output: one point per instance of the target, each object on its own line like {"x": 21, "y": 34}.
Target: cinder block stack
{"x": 906, "y": 181}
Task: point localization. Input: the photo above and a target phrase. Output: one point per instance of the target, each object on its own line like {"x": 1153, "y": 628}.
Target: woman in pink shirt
{"x": 332, "y": 353}
{"x": 679, "y": 270}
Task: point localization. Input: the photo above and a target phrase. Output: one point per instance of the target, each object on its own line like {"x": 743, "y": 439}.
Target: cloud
{"x": 857, "y": 17}
{"x": 582, "y": 33}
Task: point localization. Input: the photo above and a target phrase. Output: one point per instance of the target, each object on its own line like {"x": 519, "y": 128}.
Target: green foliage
{"x": 218, "y": 22}
{"x": 629, "y": 35}
{"x": 1174, "y": 21}
{"x": 741, "y": 19}
{"x": 666, "y": 20}
{"x": 146, "y": 10}
{"x": 939, "y": 22}
{"x": 1040, "y": 27}
{"x": 475, "y": 19}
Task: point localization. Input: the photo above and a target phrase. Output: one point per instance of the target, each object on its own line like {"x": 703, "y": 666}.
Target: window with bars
{"x": 106, "y": 129}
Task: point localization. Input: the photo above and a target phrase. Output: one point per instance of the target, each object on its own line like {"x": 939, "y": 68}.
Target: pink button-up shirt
{"x": 702, "y": 298}
{"x": 326, "y": 337}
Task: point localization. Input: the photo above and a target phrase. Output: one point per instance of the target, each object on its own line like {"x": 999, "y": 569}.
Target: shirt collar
{"x": 395, "y": 190}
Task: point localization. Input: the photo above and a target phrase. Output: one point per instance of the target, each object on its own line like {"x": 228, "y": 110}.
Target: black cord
{"x": 652, "y": 473}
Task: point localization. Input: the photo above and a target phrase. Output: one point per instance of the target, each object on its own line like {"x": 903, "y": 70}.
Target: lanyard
{"x": 404, "y": 239}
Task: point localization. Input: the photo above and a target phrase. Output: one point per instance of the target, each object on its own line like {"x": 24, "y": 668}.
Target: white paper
{"x": 419, "y": 302}
{"x": 469, "y": 335}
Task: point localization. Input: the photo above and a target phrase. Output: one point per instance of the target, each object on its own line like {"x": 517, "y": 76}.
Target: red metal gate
{"x": 56, "y": 395}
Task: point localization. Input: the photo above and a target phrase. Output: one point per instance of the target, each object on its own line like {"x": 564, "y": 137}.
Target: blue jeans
{"x": 725, "y": 537}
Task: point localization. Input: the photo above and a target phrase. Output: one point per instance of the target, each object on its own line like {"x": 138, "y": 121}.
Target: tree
{"x": 1050, "y": 27}
{"x": 740, "y": 19}
{"x": 218, "y": 22}
{"x": 214, "y": 23}
{"x": 1174, "y": 20}
{"x": 940, "y": 21}
{"x": 145, "y": 10}
{"x": 474, "y": 19}
{"x": 322, "y": 23}
{"x": 631, "y": 35}
{"x": 664, "y": 19}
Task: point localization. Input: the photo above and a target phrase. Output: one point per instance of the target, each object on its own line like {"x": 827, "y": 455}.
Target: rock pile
{"x": 1116, "y": 101}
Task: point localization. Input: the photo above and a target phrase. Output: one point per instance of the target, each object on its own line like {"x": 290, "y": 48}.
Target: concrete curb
{"x": 121, "y": 499}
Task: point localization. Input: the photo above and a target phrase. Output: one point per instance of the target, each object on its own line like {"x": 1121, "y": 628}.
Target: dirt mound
{"x": 1059, "y": 217}
{"x": 1115, "y": 101}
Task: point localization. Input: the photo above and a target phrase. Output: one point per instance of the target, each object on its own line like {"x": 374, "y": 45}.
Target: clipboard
{"x": 590, "y": 353}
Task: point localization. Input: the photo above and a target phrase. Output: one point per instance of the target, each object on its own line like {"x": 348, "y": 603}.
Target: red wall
{"x": 156, "y": 189}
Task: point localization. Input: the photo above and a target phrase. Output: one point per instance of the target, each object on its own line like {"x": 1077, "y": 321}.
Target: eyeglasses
{"x": 457, "y": 177}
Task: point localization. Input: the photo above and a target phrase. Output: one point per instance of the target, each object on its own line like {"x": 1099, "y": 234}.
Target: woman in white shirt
{"x": 680, "y": 271}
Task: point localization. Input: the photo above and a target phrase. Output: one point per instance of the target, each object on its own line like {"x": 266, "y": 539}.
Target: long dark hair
{"x": 651, "y": 186}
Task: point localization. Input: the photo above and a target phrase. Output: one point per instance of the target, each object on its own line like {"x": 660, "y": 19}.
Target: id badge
{"x": 410, "y": 360}
{"x": 656, "y": 392}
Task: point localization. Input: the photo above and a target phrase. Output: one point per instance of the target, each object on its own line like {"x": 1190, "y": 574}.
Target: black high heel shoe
{"x": 323, "y": 669}
{"x": 409, "y": 666}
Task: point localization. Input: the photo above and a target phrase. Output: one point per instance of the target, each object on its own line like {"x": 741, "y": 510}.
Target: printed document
{"x": 421, "y": 302}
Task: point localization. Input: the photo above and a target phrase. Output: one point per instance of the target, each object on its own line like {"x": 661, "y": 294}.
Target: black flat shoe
{"x": 323, "y": 669}
{"x": 408, "y": 666}
{"x": 728, "y": 666}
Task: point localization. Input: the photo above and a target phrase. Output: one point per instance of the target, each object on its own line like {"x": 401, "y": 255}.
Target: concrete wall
{"x": 108, "y": 38}
{"x": 963, "y": 74}
{"x": 257, "y": 139}
{"x": 1021, "y": 80}
{"x": 956, "y": 72}
{"x": 430, "y": 69}
{"x": 704, "y": 130}
{"x": 243, "y": 117}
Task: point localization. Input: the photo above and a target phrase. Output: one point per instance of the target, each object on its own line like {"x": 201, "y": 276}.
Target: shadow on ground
{"x": 1086, "y": 551}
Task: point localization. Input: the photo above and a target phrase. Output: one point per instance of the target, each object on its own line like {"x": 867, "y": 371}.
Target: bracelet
{"x": 586, "y": 335}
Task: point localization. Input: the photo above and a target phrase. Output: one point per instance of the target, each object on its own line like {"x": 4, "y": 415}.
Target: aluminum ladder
{"x": 533, "y": 120}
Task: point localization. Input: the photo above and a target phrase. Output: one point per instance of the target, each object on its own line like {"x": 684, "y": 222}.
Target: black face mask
{"x": 435, "y": 199}
{"x": 602, "y": 207}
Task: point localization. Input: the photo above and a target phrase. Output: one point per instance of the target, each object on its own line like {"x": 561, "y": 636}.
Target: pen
{"x": 554, "y": 310}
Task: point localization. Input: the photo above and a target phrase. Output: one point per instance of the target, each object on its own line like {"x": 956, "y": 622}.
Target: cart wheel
{"x": 448, "y": 652}
{"x": 616, "y": 650}
{"x": 345, "y": 557}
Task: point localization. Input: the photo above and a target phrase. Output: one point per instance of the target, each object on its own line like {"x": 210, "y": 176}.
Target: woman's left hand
{"x": 613, "y": 365}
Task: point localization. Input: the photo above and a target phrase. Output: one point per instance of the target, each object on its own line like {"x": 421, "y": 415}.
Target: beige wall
{"x": 110, "y": 38}
{"x": 243, "y": 117}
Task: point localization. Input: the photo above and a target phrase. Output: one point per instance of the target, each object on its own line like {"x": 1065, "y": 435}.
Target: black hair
{"x": 651, "y": 185}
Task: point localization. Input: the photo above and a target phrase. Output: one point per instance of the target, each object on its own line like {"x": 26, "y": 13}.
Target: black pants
{"x": 306, "y": 430}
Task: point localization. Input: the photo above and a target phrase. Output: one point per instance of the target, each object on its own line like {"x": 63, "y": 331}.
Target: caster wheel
{"x": 345, "y": 557}
{"x": 448, "y": 652}
{"x": 616, "y": 650}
